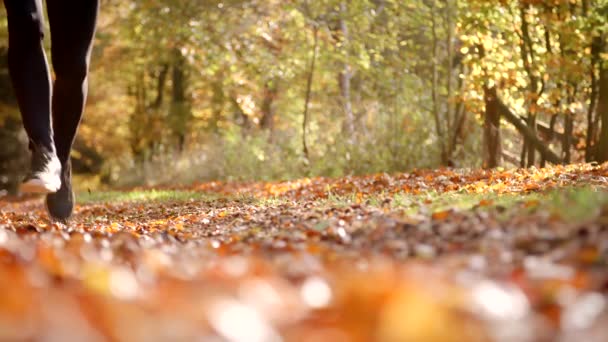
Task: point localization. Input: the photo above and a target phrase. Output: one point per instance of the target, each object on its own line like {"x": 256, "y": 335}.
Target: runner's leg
{"x": 72, "y": 24}
{"x": 29, "y": 70}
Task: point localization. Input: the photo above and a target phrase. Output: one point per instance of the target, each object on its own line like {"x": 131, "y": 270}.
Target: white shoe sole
{"x": 37, "y": 186}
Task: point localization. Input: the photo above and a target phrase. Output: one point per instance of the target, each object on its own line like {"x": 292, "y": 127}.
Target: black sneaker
{"x": 61, "y": 203}
{"x": 44, "y": 176}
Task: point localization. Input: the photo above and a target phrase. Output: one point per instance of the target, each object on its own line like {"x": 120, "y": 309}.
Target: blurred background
{"x": 190, "y": 90}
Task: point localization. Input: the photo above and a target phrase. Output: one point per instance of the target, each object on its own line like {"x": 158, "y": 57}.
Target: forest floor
{"x": 443, "y": 255}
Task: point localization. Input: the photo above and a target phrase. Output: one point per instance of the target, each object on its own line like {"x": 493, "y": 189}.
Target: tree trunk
{"x": 602, "y": 112}
{"x": 491, "y": 129}
{"x": 549, "y": 133}
{"x": 585, "y": 7}
{"x": 567, "y": 141}
{"x": 268, "y": 107}
{"x": 218, "y": 102}
{"x": 524, "y": 153}
{"x": 345, "y": 79}
{"x": 527, "y": 56}
{"x": 449, "y": 19}
{"x": 311, "y": 72}
{"x": 531, "y": 150}
{"x": 160, "y": 86}
{"x": 180, "y": 107}
{"x": 138, "y": 122}
{"x": 590, "y": 139}
{"x": 435, "y": 87}
{"x": 361, "y": 114}
{"x": 460, "y": 114}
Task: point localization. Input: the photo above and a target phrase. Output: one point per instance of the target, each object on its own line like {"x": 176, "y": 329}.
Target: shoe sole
{"x": 36, "y": 186}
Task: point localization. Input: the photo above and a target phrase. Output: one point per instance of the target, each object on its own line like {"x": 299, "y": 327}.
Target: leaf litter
{"x": 318, "y": 260}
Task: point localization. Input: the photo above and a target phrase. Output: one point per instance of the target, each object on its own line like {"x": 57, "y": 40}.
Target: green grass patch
{"x": 577, "y": 204}
{"x": 171, "y": 195}
{"x": 571, "y": 204}
{"x": 143, "y": 196}
{"x": 434, "y": 201}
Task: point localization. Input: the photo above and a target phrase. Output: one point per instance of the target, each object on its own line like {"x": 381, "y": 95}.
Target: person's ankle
{"x": 45, "y": 170}
{"x": 46, "y": 145}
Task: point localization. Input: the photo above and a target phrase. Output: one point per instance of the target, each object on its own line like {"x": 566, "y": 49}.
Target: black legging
{"x": 72, "y": 24}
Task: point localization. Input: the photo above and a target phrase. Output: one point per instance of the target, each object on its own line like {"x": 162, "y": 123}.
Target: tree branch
{"x": 523, "y": 128}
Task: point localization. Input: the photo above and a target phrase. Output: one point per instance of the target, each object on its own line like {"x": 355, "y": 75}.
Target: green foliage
{"x": 247, "y": 66}
{"x": 583, "y": 203}
{"x": 142, "y": 196}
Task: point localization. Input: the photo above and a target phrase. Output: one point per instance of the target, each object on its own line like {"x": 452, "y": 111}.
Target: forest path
{"x": 439, "y": 255}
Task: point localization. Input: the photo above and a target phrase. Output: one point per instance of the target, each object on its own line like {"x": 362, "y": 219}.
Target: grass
{"x": 571, "y": 204}
{"x": 433, "y": 201}
{"x": 578, "y": 204}
{"x": 170, "y": 196}
{"x": 143, "y": 196}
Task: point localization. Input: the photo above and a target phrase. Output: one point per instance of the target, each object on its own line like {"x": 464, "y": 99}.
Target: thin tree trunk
{"x": 218, "y": 101}
{"x": 527, "y": 56}
{"x": 160, "y": 86}
{"x": 524, "y": 152}
{"x": 602, "y": 112}
{"x": 531, "y": 150}
{"x": 311, "y": 72}
{"x": 345, "y": 79}
{"x": 491, "y": 129}
{"x": 567, "y": 141}
{"x": 268, "y": 107}
{"x": 549, "y": 133}
{"x": 142, "y": 96}
{"x": 585, "y": 7}
{"x": 459, "y": 113}
{"x": 591, "y": 122}
{"x": 361, "y": 114}
{"x": 139, "y": 121}
{"x": 435, "y": 86}
{"x": 180, "y": 108}
{"x": 552, "y": 122}
{"x": 450, "y": 76}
